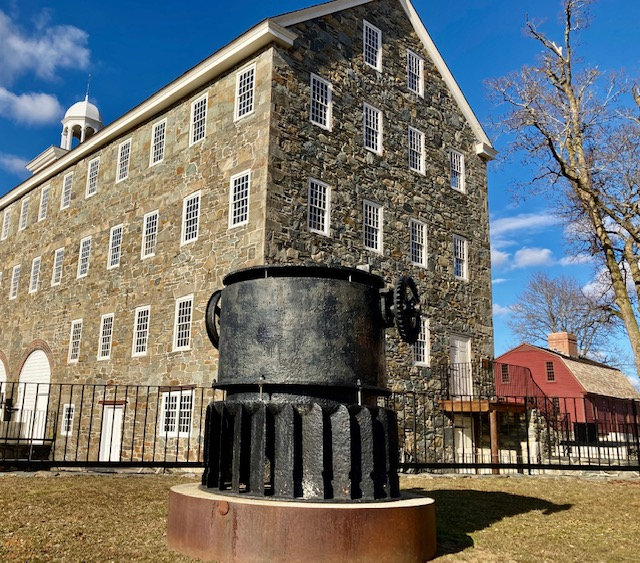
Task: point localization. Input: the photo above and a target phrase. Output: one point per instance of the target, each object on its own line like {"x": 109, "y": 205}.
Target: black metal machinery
{"x": 302, "y": 363}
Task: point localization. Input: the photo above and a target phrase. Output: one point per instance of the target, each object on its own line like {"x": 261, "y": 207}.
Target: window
{"x": 124, "y": 152}
{"x": 35, "y": 274}
{"x": 372, "y": 226}
{"x": 415, "y": 66}
{"x": 418, "y": 243}
{"x": 456, "y": 165}
{"x": 555, "y": 402}
{"x": 6, "y": 222}
{"x": 551, "y": 374}
{"x": 177, "y": 408}
{"x": 66, "y": 190}
{"x": 182, "y": 326}
{"x": 56, "y": 275}
{"x": 92, "y": 177}
{"x": 318, "y": 207}
{"x": 158, "y": 136}
{"x": 504, "y": 373}
{"x": 15, "y": 277}
{"x": 416, "y": 150}
{"x": 421, "y": 348}
{"x": 190, "y": 218}
{"x": 320, "y": 106}
{"x": 460, "y": 257}
{"x": 239, "y": 199}
{"x": 115, "y": 247}
{"x": 24, "y": 214}
{"x": 372, "y": 45}
{"x": 244, "y": 92}
{"x": 149, "y": 235}
{"x": 68, "y": 413}
{"x": 141, "y": 331}
{"x": 44, "y": 203}
{"x": 106, "y": 335}
{"x": 198, "y": 119}
{"x": 372, "y": 129}
{"x": 74, "y": 341}
{"x": 83, "y": 257}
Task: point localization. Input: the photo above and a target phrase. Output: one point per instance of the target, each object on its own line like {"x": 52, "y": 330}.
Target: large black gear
{"x": 406, "y": 309}
{"x": 212, "y": 318}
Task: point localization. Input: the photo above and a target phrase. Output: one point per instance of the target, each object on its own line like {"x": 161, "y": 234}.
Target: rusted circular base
{"x": 214, "y": 527}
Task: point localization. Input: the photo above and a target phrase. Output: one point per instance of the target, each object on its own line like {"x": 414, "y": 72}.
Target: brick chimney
{"x": 564, "y": 342}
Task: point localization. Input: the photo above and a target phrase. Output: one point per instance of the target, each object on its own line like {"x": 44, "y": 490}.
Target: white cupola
{"x": 82, "y": 120}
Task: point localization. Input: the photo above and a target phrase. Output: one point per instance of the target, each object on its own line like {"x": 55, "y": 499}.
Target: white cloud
{"x": 522, "y": 222}
{"x": 499, "y": 281}
{"x": 500, "y": 310}
{"x": 13, "y": 164}
{"x": 576, "y": 260}
{"x": 498, "y": 258}
{"x": 30, "y": 108}
{"x": 530, "y": 257}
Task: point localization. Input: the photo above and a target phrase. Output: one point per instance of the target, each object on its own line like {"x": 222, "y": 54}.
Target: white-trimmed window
{"x": 198, "y": 120}
{"x": 372, "y": 45}
{"x": 245, "y": 86}
{"x": 177, "y": 413}
{"x": 75, "y": 337}
{"x": 421, "y": 347}
{"x": 190, "y": 218}
{"x": 67, "y": 182}
{"x": 182, "y": 325}
{"x": 318, "y": 207}
{"x": 460, "y": 257}
{"x": 6, "y": 222}
{"x": 418, "y": 242}
{"x": 124, "y": 154}
{"x": 35, "y": 274}
{"x": 106, "y": 337}
{"x": 115, "y": 247}
{"x": 68, "y": 414}
{"x": 415, "y": 73}
{"x": 239, "y": 199}
{"x": 92, "y": 177}
{"x": 15, "y": 278}
{"x": 372, "y": 128}
{"x": 149, "y": 235}
{"x": 24, "y": 214}
{"x": 320, "y": 108}
{"x": 416, "y": 150}
{"x": 56, "y": 274}
{"x": 158, "y": 136}
{"x": 372, "y": 226}
{"x": 141, "y": 331}
{"x": 44, "y": 203}
{"x": 83, "y": 257}
{"x": 456, "y": 169}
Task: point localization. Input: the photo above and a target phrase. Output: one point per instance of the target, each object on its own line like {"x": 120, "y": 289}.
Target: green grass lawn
{"x": 85, "y": 517}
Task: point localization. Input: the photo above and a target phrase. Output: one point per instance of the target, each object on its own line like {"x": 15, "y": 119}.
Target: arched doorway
{"x": 33, "y": 396}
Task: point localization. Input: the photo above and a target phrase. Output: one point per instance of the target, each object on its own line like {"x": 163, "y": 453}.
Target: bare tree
{"x": 577, "y": 128}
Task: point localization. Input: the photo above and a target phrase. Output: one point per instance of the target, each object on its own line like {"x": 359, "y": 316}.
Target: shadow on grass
{"x": 460, "y": 513}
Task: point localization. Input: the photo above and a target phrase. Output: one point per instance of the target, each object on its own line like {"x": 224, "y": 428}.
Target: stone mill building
{"x": 331, "y": 135}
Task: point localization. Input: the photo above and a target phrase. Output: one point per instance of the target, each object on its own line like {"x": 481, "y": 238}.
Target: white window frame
{"x": 105, "y": 340}
{"x": 318, "y": 207}
{"x": 239, "y": 190}
{"x": 176, "y": 415}
{"x": 188, "y": 221}
{"x": 320, "y": 102}
{"x": 75, "y": 339}
{"x": 422, "y": 346}
{"x": 415, "y": 73}
{"x": 415, "y": 140}
{"x": 6, "y": 223}
{"x": 182, "y": 325}
{"x": 372, "y": 128}
{"x": 84, "y": 255}
{"x": 15, "y": 279}
{"x": 93, "y": 169}
{"x": 124, "y": 158}
{"x": 245, "y": 100}
{"x": 460, "y": 258}
{"x": 372, "y": 226}
{"x": 115, "y": 246}
{"x": 141, "y": 325}
{"x": 456, "y": 171}
{"x": 149, "y": 234}
{"x": 158, "y": 141}
{"x": 372, "y": 45}
{"x": 44, "y": 203}
{"x": 24, "y": 214}
{"x": 67, "y": 184}
{"x": 68, "y": 415}
{"x": 58, "y": 261}
{"x": 35, "y": 274}
{"x": 418, "y": 243}
{"x": 198, "y": 120}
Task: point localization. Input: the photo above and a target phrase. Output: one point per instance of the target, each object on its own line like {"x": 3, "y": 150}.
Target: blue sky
{"x": 49, "y": 47}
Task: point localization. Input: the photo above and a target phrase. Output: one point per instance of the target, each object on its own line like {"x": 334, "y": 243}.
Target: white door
{"x": 3, "y": 381}
{"x": 460, "y": 358}
{"x": 33, "y": 396}
{"x": 463, "y": 437}
{"x": 111, "y": 433}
